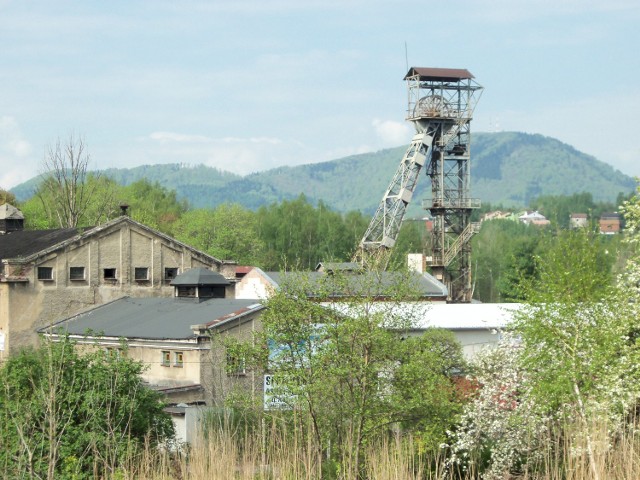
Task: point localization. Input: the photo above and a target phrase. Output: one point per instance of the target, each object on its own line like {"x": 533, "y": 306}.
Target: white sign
{"x": 274, "y": 401}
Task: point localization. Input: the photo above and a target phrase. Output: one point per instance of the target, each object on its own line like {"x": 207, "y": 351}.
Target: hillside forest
{"x": 297, "y": 234}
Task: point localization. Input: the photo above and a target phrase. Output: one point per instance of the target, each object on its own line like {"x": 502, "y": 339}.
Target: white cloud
{"x": 233, "y": 154}
{"x": 15, "y": 154}
{"x": 392, "y": 133}
{"x": 164, "y": 137}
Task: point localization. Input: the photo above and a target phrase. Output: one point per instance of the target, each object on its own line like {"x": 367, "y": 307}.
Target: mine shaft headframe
{"x": 441, "y": 93}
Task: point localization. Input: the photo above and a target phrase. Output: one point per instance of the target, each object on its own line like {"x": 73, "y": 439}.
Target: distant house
{"x": 609, "y": 223}
{"x": 534, "y": 218}
{"x": 578, "y": 220}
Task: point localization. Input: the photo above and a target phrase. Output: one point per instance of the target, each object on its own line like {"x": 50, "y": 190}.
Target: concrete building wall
{"x": 172, "y": 373}
{"x": 254, "y": 285}
{"x": 31, "y": 303}
{"x": 218, "y": 381}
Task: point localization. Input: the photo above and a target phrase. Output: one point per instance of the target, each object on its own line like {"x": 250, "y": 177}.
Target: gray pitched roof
{"x": 200, "y": 276}
{"x": 154, "y": 318}
{"x": 23, "y": 243}
{"x": 426, "y": 285}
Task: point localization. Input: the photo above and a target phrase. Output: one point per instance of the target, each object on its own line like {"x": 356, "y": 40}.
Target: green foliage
{"x": 502, "y": 254}
{"x": 298, "y": 235}
{"x": 64, "y": 414}
{"x": 153, "y": 204}
{"x": 577, "y": 330}
{"x": 226, "y": 232}
{"x": 351, "y": 371}
{"x": 43, "y": 211}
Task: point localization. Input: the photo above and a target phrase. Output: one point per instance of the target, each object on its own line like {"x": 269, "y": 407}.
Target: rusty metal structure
{"x": 441, "y": 102}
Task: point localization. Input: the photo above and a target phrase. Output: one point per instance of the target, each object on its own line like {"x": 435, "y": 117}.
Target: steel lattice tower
{"x": 441, "y": 104}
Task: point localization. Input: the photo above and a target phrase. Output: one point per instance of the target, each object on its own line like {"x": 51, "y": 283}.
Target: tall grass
{"x": 284, "y": 451}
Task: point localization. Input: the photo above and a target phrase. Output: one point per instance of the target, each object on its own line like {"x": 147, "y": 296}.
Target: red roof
{"x": 444, "y": 74}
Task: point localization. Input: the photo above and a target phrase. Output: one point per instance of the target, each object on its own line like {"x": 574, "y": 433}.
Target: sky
{"x": 249, "y": 85}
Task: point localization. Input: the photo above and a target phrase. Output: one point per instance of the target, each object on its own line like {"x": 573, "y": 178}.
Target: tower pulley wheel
{"x": 432, "y": 106}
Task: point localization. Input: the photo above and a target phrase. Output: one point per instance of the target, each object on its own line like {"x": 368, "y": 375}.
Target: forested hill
{"x": 507, "y": 167}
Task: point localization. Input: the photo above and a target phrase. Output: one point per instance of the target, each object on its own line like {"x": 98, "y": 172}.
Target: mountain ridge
{"x": 509, "y": 168}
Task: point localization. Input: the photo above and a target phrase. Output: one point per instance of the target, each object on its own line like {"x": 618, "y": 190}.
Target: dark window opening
{"x": 141, "y": 273}
{"x": 211, "y": 292}
{"x": 170, "y": 273}
{"x": 76, "y": 273}
{"x": 110, "y": 274}
{"x": 189, "y": 292}
{"x": 45, "y": 273}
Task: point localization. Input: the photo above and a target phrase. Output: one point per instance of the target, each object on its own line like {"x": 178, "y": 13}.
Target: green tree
{"x": 227, "y": 232}
{"x": 298, "y": 235}
{"x": 64, "y": 414}
{"x": 351, "y": 370}
{"x": 152, "y": 204}
{"x": 578, "y": 343}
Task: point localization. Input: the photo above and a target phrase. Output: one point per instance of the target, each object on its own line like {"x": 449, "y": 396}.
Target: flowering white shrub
{"x": 501, "y": 429}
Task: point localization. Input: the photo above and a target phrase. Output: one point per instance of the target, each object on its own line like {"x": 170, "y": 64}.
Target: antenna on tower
{"x": 406, "y": 55}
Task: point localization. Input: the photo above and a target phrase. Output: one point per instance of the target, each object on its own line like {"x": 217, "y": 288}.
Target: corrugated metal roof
{"x": 444, "y": 74}
{"x": 155, "y": 318}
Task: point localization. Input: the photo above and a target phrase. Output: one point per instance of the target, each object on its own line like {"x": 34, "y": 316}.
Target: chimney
{"x": 123, "y": 208}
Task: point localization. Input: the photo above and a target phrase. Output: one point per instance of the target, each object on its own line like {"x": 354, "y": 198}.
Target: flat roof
{"x": 443, "y": 74}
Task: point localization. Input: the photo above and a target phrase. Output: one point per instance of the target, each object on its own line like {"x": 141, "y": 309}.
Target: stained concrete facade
{"x": 92, "y": 267}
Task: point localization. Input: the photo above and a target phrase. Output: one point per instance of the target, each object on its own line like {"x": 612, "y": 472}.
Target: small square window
{"x": 178, "y": 359}
{"x": 76, "y": 273}
{"x": 141, "y": 273}
{"x": 110, "y": 274}
{"x": 45, "y": 273}
{"x": 166, "y": 358}
{"x": 170, "y": 273}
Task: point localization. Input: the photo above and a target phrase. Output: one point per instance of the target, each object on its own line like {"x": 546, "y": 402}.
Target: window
{"x": 110, "y": 274}
{"x": 236, "y": 365}
{"x": 141, "y": 273}
{"x": 166, "y": 358}
{"x": 178, "y": 359}
{"x": 206, "y": 291}
{"x": 76, "y": 273}
{"x": 170, "y": 273}
{"x": 112, "y": 352}
{"x": 187, "y": 292}
{"x": 45, "y": 273}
